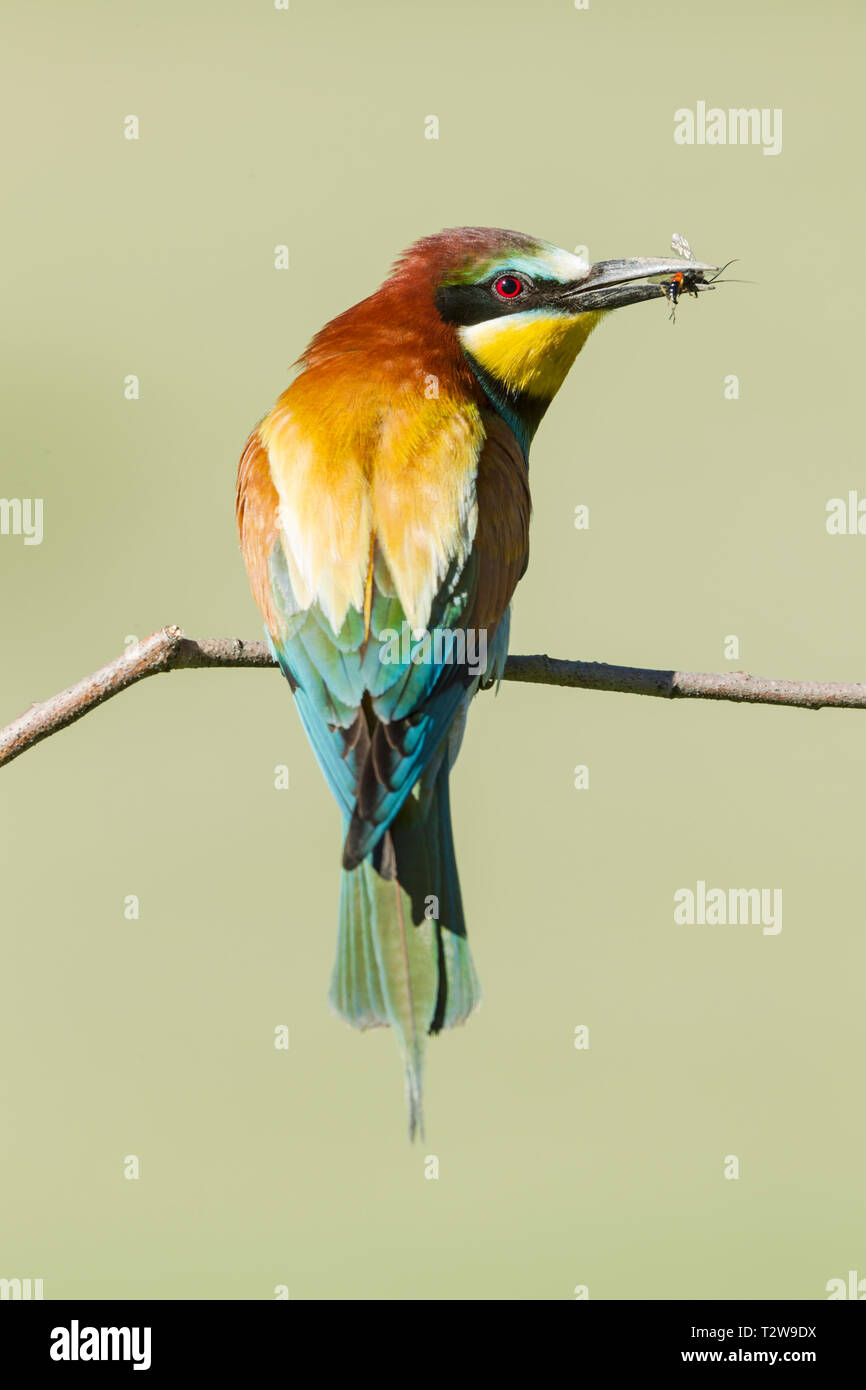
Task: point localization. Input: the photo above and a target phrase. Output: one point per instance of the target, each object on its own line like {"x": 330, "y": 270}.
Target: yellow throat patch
{"x": 530, "y": 352}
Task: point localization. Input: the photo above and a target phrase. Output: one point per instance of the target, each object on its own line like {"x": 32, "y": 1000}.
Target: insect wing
{"x": 681, "y": 246}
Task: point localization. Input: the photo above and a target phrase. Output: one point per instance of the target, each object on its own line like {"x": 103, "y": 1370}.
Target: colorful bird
{"x": 383, "y": 508}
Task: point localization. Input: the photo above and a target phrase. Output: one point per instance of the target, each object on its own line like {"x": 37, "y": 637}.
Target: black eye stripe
{"x": 468, "y": 304}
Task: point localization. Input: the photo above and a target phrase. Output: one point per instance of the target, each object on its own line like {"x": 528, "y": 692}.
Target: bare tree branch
{"x": 170, "y": 650}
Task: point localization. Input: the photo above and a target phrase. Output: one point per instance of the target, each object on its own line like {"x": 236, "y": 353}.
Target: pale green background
{"x": 707, "y": 518}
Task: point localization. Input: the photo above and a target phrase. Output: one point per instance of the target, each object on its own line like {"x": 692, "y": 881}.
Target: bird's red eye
{"x": 508, "y": 286}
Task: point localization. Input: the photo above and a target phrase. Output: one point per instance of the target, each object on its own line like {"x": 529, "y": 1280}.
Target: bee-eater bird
{"x": 386, "y": 493}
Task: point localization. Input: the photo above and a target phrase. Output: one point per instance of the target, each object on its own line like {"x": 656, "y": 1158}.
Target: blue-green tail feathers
{"x": 402, "y": 955}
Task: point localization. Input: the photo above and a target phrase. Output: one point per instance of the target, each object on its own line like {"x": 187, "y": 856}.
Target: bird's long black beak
{"x": 613, "y": 284}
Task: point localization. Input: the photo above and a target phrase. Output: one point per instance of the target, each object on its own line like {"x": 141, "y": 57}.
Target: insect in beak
{"x": 688, "y": 281}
